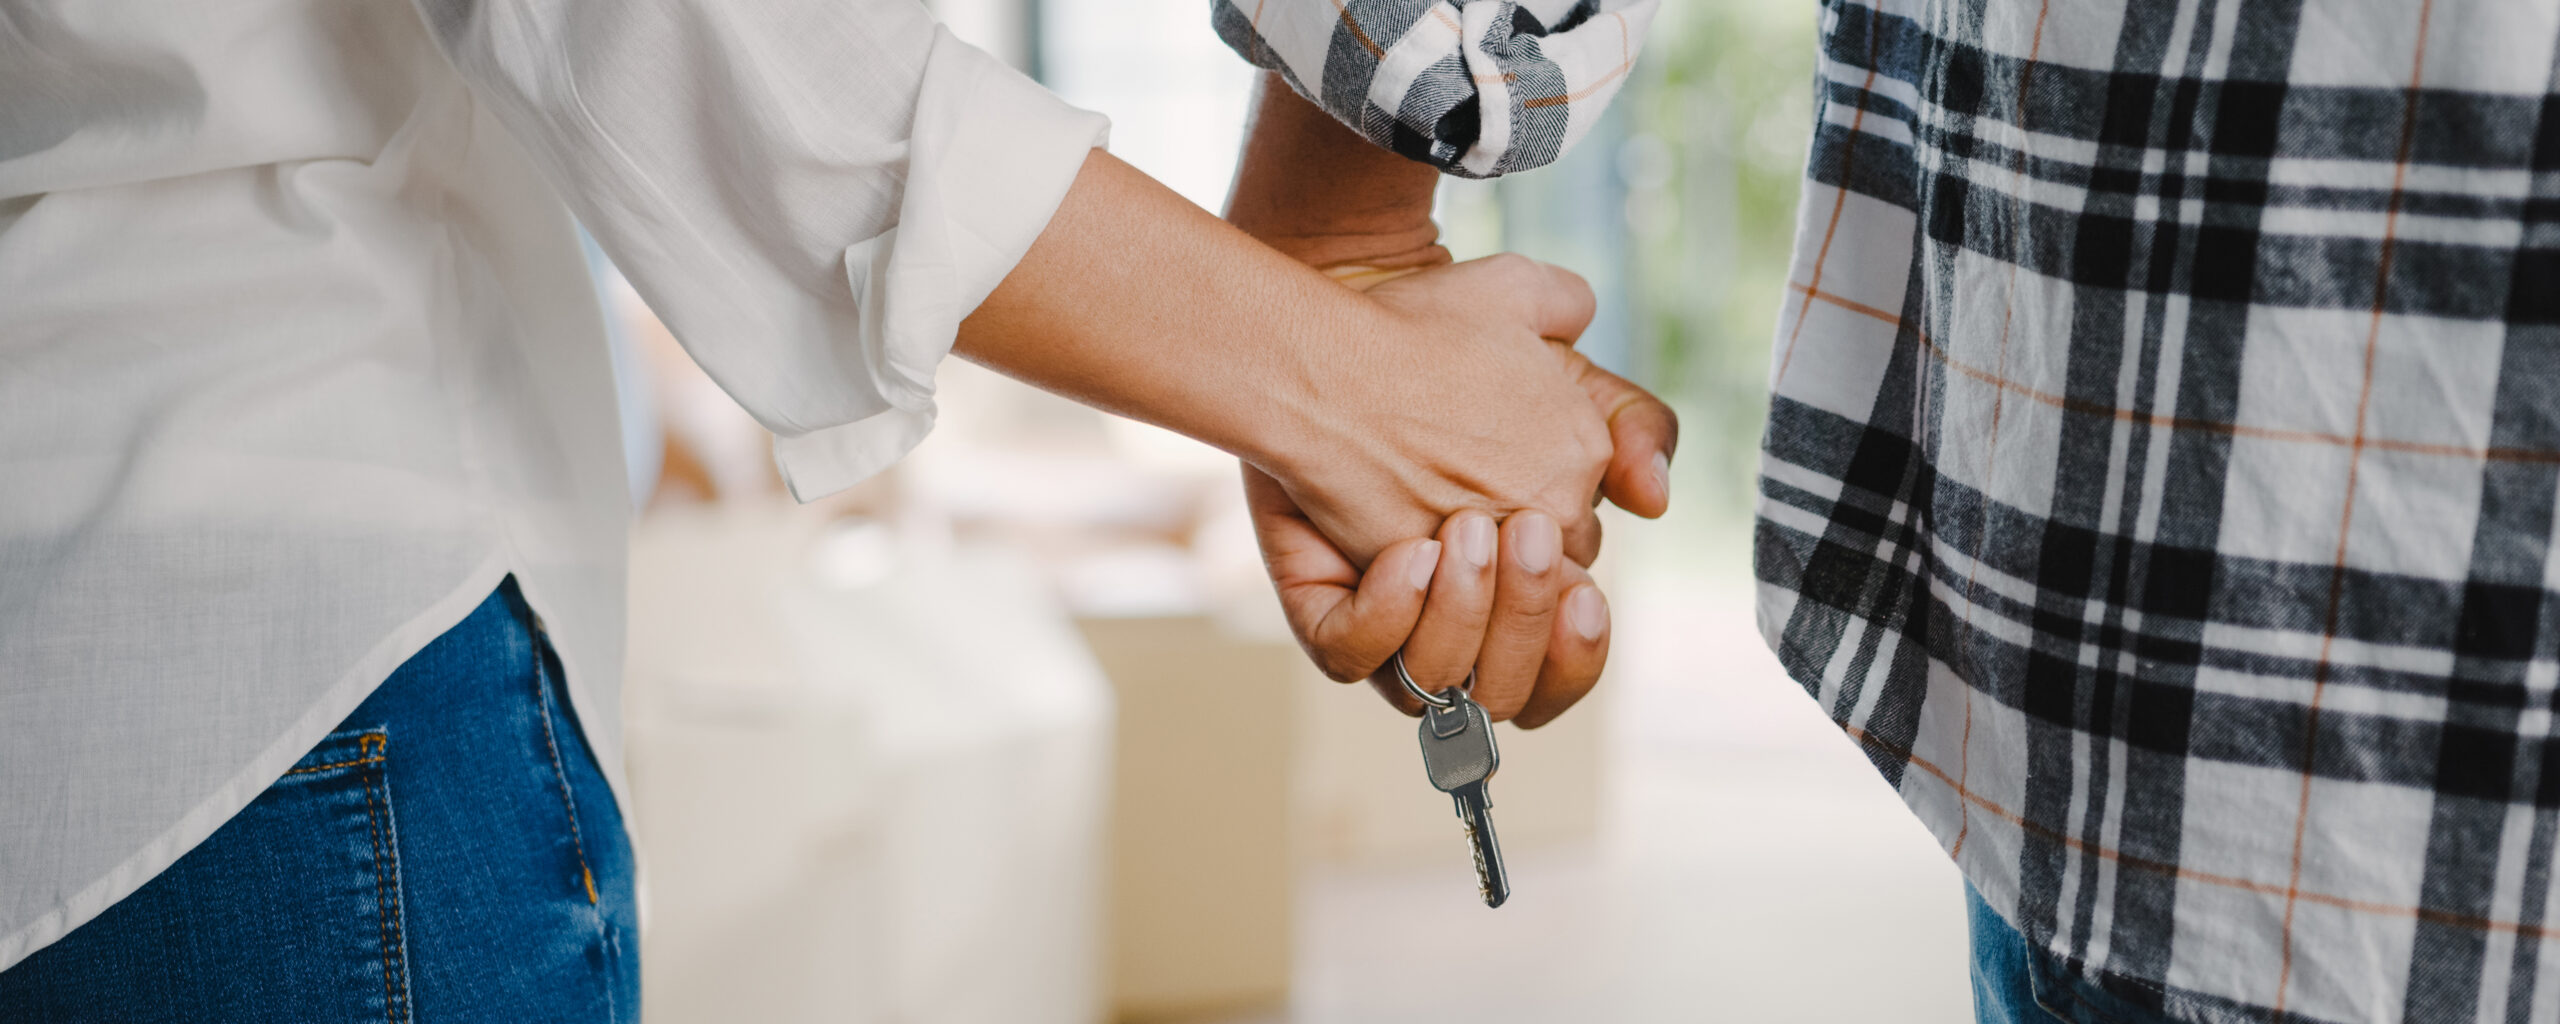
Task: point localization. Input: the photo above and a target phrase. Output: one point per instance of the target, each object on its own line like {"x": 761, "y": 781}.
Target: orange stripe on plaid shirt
{"x": 2142, "y": 418}
{"x": 2140, "y": 863}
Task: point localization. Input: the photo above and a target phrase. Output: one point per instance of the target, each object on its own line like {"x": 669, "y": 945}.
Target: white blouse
{"x": 298, "y": 358}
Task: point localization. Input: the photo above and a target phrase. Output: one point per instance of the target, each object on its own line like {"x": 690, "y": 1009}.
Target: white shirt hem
{"x": 341, "y": 700}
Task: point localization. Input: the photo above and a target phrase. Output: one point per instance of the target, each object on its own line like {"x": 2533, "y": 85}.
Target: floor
{"x": 1751, "y": 867}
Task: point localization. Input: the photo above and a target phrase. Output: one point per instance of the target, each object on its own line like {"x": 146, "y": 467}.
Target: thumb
{"x": 1555, "y": 302}
{"x": 1566, "y": 303}
{"x": 1643, "y": 432}
{"x": 1348, "y": 621}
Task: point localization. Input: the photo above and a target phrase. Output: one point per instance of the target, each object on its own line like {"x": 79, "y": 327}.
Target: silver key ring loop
{"x": 1438, "y": 700}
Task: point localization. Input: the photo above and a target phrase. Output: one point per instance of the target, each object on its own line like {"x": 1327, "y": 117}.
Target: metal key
{"x": 1459, "y": 754}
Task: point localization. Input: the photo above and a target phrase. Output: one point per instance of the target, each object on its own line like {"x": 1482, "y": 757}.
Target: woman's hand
{"x": 1535, "y": 631}
{"x": 1455, "y": 401}
{"x": 1380, "y": 414}
{"x": 1490, "y": 598}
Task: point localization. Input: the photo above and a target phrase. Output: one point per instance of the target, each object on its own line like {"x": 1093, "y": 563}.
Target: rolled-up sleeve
{"x": 1477, "y": 88}
{"x": 811, "y": 193}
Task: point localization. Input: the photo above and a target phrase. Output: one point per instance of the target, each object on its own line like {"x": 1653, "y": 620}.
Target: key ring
{"x": 1437, "y": 700}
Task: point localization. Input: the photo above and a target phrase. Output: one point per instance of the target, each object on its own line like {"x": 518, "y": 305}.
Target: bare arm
{"x": 1378, "y": 413}
{"x": 1315, "y": 190}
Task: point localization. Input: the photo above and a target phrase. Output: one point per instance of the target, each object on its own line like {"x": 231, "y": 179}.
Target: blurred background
{"x": 1016, "y": 733}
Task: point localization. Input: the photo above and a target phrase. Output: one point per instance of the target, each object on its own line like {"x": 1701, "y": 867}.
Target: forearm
{"x": 1380, "y": 412}
{"x": 1137, "y": 302}
{"x": 1317, "y": 191}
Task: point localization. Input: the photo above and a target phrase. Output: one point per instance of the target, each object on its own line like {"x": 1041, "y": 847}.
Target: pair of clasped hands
{"x": 1423, "y": 448}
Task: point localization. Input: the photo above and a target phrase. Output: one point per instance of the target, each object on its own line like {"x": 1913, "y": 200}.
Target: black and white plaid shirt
{"x": 2163, "y": 461}
{"x": 1476, "y": 89}
{"x": 2162, "y": 475}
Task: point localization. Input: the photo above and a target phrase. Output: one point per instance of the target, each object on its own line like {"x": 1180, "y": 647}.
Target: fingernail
{"x": 1662, "y": 474}
{"x": 1422, "y": 563}
{"x": 1589, "y": 612}
{"x": 1535, "y": 546}
{"x": 1475, "y": 541}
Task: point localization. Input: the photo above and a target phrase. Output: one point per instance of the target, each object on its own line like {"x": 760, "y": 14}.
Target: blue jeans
{"x": 2014, "y": 982}
{"x": 449, "y": 854}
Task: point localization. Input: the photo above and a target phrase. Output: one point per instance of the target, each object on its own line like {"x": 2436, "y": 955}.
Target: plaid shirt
{"x": 2161, "y": 479}
{"x": 1476, "y": 89}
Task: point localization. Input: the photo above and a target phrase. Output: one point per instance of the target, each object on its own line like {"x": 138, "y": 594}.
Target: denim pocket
{"x": 345, "y": 776}
{"x": 290, "y": 911}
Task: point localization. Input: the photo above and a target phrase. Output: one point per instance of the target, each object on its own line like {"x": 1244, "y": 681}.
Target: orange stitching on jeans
{"x": 577, "y": 839}
{"x": 375, "y": 759}
{"x": 381, "y": 907}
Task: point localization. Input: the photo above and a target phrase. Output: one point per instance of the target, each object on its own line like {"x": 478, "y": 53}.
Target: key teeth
{"x": 1484, "y": 872}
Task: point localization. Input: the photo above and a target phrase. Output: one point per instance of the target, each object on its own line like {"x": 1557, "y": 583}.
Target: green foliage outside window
{"x": 1717, "y": 119}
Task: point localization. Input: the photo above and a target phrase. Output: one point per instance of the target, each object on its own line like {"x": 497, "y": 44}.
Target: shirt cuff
{"x": 1477, "y": 90}
{"x": 992, "y": 155}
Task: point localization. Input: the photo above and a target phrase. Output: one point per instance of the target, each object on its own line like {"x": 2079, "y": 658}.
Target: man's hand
{"x": 1533, "y": 628}
{"x": 1446, "y": 604}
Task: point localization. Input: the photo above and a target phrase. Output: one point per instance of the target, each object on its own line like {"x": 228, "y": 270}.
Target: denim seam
{"x": 384, "y": 901}
{"x": 560, "y": 770}
{"x": 377, "y": 759}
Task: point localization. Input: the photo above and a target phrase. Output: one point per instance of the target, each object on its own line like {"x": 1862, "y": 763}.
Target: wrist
{"x": 1316, "y": 190}
{"x": 1308, "y": 410}
{"x": 1361, "y": 277}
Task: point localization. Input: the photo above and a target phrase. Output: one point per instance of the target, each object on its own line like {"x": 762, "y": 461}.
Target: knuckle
{"x": 1548, "y": 710}
{"x": 1509, "y": 671}
{"x": 1403, "y": 704}
{"x": 1503, "y": 703}
{"x": 1593, "y": 435}
{"x": 1517, "y": 274}
{"x": 1333, "y": 664}
{"x": 1432, "y": 673}
{"x": 1570, "y": 506}
{"x": 1525, "y": 611}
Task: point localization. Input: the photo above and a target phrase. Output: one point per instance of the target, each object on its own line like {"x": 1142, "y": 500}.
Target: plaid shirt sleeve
{"x": 2162, "y": 480}
{"x": 1477, "y": 88}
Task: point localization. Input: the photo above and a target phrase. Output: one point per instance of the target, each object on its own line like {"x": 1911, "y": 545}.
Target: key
{"x": 1458, "y": 752}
